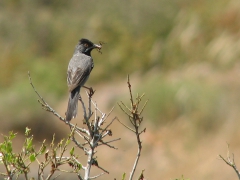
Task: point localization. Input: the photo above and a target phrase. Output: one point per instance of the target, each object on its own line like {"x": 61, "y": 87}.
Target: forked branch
{"x": 134, "y": 116}
{"x": 230, "y": 161}
{"x": 93, "y": 135}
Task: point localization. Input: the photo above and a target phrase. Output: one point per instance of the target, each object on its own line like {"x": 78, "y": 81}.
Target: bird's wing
{"x": 76, "y": 78}
{"x": 79, "y": 69}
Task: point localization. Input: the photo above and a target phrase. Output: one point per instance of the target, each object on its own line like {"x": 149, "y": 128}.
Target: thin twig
{"x": 130, "y": 90}
{"x": 135, "y": 120}
{"x": 126, "y": 126}
{"x": 126, "y": 108}
{"x": 107, "y": 143}
{"x": 143, "y": 131}
{"x": 95, "y": 177}
{"x": 109, "y": 124}
{"x": 87, "y": 117}
{"x": 230, "y": 162}
{"x": 143, "y": 107}
{"x": 50, "y": 109}
{"x": 102, "y": 169}
{"x": 95, "y": 104}
{"x": 108, "y": 114}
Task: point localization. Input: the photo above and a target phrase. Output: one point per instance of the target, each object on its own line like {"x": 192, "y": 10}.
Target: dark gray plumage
{"x": 79, "y": 69}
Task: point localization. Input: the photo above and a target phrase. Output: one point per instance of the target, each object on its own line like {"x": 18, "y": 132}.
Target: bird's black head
{"x": 85, "y": 46}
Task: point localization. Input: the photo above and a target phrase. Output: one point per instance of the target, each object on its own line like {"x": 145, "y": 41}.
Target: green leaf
{"x": 72, "y": 151}
{"x": 12, "y": 135}
{"x": 9, "y": 147}
{"x": 29, "y": 144}
{"x": 124, "y": 175}
{"x": 79, "y": 166}
{"x": 32, "y": 157}
{"x": 3, "y": 147}
{"x": 27, "y": 131}
{"x": 67, "y": 142}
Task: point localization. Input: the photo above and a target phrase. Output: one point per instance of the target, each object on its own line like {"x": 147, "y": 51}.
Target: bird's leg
{"x": 91, "y": 91}
{"x": 80, "y": 98}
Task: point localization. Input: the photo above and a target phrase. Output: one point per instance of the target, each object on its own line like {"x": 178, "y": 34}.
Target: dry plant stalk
{"x": 230, "y": 161}
{"x": 135, "y": 118}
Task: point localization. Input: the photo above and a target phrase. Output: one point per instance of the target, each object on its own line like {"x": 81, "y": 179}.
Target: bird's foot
{"x": 91, "y": 91}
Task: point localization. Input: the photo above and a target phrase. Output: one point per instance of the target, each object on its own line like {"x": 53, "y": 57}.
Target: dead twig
{"x": 48, "y": 108}
{"x": 230, "y": 161}
{"x": 134, "y": 116}
{"x": 93, "y": 135}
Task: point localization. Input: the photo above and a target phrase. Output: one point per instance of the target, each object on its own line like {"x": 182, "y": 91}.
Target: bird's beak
{"x": 93, "y": 47}
{"x": 99, "y": 47}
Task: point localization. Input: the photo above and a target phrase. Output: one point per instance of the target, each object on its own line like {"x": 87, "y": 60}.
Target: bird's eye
{"x": 86, "y": 45}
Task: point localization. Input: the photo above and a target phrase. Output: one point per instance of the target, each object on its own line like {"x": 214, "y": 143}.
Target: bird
{"x": 79, "y": 69}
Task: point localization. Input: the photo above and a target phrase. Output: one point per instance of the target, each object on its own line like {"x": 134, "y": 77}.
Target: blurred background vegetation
{"x": 183, "y": 54}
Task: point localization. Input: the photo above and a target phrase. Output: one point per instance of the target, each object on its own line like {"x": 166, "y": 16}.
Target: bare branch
{"x": 124, "y": 109}
{"x": 47, "y": 107}
{"x": 130, "y": 90}
{"x": 135, "y": 120}
{"x": 143, "y": 107}
{"x": 230, "y": 162}
{"x": 126, "y": 126}
{"x": 107, "y": 143}
{"x": 109, "y": 124}
{"x": 95, "y": 177}
{"x": 93, "y": 136}
{"x": 102, "y": 169}
{"x": 109, "y": 112}
{"x": 95, "y": 104}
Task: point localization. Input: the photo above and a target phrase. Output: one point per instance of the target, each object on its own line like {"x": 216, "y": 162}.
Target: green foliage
{"x": 16, "y": 163}
{"x": 6, "y": 150}
{"x": 20, "y": 163}
{"x": 123, "y": 176}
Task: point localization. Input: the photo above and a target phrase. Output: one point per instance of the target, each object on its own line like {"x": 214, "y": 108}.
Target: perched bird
{"x": 79, "y": 69}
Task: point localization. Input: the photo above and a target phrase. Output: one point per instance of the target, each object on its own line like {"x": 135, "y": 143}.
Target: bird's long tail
{"x": 72, "y": 104}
